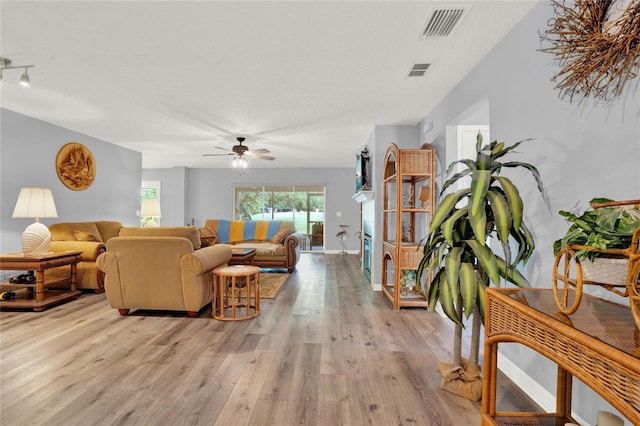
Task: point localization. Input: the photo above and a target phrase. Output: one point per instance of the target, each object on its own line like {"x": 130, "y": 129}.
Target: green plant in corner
{"x": 457, "y": 253}
{"x": 599, "y": 228}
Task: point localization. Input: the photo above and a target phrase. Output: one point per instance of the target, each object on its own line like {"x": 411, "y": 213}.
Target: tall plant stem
{"x": 457, "y": 337}
{"x": 475, "y": 339}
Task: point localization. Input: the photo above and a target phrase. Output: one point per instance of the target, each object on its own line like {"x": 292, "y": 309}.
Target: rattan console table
{"x": 598, "y": 344}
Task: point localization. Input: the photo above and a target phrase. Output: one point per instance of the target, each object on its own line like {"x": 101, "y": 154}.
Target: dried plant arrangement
{"x": 597, "y": 45}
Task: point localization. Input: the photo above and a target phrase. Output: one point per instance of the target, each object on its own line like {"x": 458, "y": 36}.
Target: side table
{"x": 242, "y": 256}
{"x": 598, "y": 345}
{"x": 42, "y": 297}
{"x": 236, "y": 289}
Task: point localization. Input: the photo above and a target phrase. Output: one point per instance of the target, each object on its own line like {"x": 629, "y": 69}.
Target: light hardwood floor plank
{"x": 326, "y": 351}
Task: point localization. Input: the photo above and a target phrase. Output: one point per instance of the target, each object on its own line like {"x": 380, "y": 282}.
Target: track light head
{"x": 24, "y": 80}
{"x": 7, "y": 64}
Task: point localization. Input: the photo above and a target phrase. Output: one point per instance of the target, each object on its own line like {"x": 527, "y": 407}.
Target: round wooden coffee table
{"x": 236, "y": 293}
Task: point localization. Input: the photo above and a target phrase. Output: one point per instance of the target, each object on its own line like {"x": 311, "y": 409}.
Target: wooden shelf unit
{"x": 599, "y": 344}
{"x": 408, "y": 203}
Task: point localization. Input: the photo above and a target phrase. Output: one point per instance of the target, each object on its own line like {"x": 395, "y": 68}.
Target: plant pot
{"x": 464, "y": 381}
{"x": 606, "y": 270}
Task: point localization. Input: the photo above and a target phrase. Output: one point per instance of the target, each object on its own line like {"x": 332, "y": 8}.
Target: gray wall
{"x": 209, "y": 195}
{"x": 28, "y": 150}
{"x": 581, "y": 151}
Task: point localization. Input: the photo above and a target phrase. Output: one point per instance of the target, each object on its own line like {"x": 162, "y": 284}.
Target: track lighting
{"x": 24, "y": 80}
{"x": 6, "y": 64}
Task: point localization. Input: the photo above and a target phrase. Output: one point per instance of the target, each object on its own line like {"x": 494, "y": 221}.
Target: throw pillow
{"x": 208, "y": 236}
{"x": 85, "y": 236}
{"x": 281, "y": 236}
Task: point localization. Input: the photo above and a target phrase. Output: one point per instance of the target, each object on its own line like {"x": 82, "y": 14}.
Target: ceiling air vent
{"x": 442, "y": 21}
{"x": 418, "y": 70}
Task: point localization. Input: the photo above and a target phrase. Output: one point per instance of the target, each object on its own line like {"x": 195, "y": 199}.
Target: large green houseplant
{"x": 457, "y": 253}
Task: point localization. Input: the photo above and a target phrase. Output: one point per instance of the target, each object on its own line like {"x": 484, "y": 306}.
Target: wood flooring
{"x": 327, "y": 351}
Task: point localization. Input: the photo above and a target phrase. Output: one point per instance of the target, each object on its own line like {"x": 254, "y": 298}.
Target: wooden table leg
{"x": 563, "y": 398}
{"x": 39, "y": 285}
{"x": 74, "y": 276}
{"x": 489, "y": 380}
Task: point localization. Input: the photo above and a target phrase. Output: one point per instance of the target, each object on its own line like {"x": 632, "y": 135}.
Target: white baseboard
{"x": 537, "y": 393}
{"x": 341, "y": 252}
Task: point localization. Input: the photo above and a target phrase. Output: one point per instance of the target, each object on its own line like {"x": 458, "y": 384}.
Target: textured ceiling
{"x": 174, "y": 79}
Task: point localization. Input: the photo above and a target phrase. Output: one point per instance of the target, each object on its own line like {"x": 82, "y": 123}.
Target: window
{"x": 302, "y": 204}
{"x": 149, "y": 189}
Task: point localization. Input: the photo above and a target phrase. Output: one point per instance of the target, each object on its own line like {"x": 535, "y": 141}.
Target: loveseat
{"x": 88, "y": 237}
{"x": 276, "y": 242}
{"x": 160, "y": 269}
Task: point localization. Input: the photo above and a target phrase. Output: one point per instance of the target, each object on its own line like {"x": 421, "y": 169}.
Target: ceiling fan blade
{"x": 217, "y": 155}
{"x": 260, "y": 151}
{"x": 219, "y": 147}
{"x": 264, "y": 157}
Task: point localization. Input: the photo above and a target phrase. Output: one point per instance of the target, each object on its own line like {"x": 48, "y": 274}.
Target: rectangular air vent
{"x": 418, "y": 70}
{"x": 442, "y": 21}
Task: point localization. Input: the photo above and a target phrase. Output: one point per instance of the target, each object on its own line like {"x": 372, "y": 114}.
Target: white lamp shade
{"x": 35, "y": 203}
{"x": 150, "y": 207}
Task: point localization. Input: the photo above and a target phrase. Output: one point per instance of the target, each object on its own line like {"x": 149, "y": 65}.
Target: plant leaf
{"x": 434, "y": 290}
{"x": 516, "y": 205}
{"x": 447, "y": 303}
{"x": 478, "y": 224}
{"x": 481, "y": 299}
{"x": 443, "y": 211}
{"x": 511, "y": 274}
{"x": 452, "y": 270}
{"x": 479, "y": 187}
{"x": 448, "y": 225}
{"x": 501, "y": 214}
{"x": 536, "y": 174}
{"x": 468, "y": 287}
{"x": 487, "y": 260}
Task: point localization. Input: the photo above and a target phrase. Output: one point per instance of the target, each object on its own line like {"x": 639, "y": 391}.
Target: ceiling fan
{"x": 240, "y": 151}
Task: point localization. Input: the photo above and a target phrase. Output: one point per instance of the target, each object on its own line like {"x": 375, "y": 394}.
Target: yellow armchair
{"x": 159, "y": 273}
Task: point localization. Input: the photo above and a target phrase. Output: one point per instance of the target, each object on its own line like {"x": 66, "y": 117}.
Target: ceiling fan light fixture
{"x": 239, "y": 163}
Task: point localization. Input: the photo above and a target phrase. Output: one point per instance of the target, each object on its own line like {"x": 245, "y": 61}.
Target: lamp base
{"x": 36, "y": 239}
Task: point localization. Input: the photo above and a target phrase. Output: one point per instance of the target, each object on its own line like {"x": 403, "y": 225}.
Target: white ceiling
{"x": 307, "y": 80}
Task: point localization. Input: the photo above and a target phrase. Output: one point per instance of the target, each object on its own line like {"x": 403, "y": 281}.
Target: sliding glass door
{"x": 302, "y": 204}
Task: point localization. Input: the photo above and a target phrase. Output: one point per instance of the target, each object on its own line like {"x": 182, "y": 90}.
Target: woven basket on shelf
{"x": 606, "y": 270}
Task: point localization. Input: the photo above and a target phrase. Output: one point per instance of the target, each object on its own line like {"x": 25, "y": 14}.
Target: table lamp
{"x": 35, "y": 203}
{"x": 150, "y": 208}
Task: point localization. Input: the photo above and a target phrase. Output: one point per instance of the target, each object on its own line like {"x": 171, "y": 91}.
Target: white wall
{"x": 582, "y": 152}
{"x": 28, "y": 150}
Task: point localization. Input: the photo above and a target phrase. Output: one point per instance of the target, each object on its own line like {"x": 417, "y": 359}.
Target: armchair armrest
{"x": 205, "y": 259}
{"x": 90, "y": 249}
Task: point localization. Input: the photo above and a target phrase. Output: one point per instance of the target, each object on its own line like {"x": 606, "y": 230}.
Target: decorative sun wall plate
{"x": 75, "y": 166}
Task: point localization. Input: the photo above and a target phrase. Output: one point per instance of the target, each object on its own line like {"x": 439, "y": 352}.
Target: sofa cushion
{"x": 65, "y": 231}
{"x": 281, "y": 235}
{"x": 188, "y": 232}
{"x": 108, "y": 229}
{"x": 208, "y": 236}
{"x": 264, "y": 249}
{"x": 86, "y": 236}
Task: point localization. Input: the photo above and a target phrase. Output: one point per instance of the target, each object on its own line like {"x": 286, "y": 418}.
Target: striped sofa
{"x": 276, "y": 242}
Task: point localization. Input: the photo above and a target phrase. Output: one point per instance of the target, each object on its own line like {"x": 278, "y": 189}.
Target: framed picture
{"x": 75, "y": 166}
